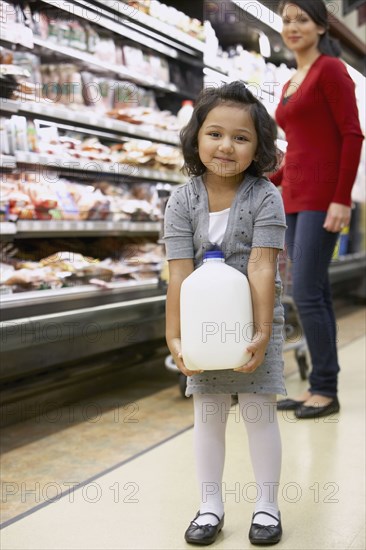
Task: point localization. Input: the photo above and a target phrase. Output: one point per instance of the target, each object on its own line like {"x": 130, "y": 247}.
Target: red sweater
{"x": 324, "y": 138}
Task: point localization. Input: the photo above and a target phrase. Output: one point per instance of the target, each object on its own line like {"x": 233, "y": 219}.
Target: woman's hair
{"x": 318, "y": 12}
{"x": 235, "y": 94}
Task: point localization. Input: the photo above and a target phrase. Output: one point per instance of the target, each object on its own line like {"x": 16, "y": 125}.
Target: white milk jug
{"x": 216, "y": 316}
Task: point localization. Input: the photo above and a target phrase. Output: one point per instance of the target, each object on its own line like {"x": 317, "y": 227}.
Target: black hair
{"x": 234, "y": 93}
{"x": 317, "y": 11}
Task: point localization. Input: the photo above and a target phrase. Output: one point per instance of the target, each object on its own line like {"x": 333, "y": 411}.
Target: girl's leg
{"x": 260, "y": 418}
{"x": 311, "y": 252}
{"x": 210, "y": 418}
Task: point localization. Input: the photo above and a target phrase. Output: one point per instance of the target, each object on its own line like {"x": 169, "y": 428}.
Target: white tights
{"x": 259, "y": 414}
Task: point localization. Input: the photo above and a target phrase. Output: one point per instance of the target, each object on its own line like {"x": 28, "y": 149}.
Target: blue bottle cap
{"x": 210, "y": 254}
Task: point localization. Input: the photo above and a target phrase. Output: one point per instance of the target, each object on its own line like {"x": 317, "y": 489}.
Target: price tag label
{"x": 108, "y": 123}
{"x": 26, "y": 36}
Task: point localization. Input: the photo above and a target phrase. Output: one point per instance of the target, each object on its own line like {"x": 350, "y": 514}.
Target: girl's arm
{"x": 261, "y": 275}
{"x": 178, "y": 271}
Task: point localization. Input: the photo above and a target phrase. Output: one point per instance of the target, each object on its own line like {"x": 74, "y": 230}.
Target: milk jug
{"x": 216, "y": 316}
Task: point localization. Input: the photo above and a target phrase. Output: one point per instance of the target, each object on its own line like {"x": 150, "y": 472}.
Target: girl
{"x": 227, "y": 146}
{"x": 318, "y": 112}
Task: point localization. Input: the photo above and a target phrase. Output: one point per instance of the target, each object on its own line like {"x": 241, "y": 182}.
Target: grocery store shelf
{"x": 211, "y": 74}
{"x": 116, "y": 169}
{"x": 7, "y": 228}
{"x": 348, "y": 267}
{"x": 215, "y": 69}
{"x": 72, "y": 228}
{"x": 73, "y": 328}
{"x": 9, "y": 105}
{"x": 103, "y": 66}
{"x": 174, "y": 43}
{"x": 7, "y": 162}
{"x": 130, "y": 14}
{"x": 88, "y": 119}
{"x": 53, "y": 228}
{"x": 73, "y": 294}
{"x": 16, "y": 33}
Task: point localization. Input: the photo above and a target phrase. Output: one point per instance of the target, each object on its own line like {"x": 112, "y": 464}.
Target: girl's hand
{"x": 338, "y": 216}
{"x": 176, "y": 351}
{"x": 257, "y": 348}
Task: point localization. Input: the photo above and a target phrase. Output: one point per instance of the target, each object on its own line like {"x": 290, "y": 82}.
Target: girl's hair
{"x": 235, "y": 94}
{"x": 317, "y": 11}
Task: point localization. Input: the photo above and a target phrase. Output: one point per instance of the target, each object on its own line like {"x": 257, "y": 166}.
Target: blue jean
{"x": 310, "y": 248}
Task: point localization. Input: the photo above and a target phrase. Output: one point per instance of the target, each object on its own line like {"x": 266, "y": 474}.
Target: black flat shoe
{"x": 203, "y": 534}
{"x": 316, "y": 412}
{"x": 288, "y": 404}
{"x": 262, "y": 535}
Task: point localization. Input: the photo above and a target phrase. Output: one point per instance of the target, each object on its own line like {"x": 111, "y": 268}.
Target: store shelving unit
{"x": 35, "y": 327}
{"x": 142, "y": 23}
{"x": 36, "y": 337}
{"x": 8, "y": 162}
{"x": 231, "y": 16}
{"x": 33, "y": 228}
{"x": 28, "y": 318}
{"x": 90, "y": 61}
{"x": 86, "y": 120}
{"x": 70, "y": 164}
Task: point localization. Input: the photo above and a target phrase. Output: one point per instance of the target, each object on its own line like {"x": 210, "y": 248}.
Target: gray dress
{"x": 256, "y": 219}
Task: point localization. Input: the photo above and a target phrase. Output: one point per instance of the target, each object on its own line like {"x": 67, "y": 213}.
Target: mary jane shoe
{"x": 264, "y": 535}
{"x": 203, "y": 534}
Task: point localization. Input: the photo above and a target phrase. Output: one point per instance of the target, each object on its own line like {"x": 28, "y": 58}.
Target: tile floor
{"x": 132, "y": 459}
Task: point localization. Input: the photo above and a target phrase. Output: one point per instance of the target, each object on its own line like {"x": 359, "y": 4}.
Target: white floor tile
{"x": 148, "y": 502}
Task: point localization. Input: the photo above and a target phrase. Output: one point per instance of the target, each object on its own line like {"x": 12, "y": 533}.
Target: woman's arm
{"x": 276, "y": 177}
{"x": 178, "y": 271}
{"x": 339, "y": 92}
{"x": 261, "y": 275}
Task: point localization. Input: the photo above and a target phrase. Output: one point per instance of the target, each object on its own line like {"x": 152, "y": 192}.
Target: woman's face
{"x": 299, "y": 32}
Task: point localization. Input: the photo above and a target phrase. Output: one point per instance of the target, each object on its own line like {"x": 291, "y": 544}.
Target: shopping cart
{"x": 293, "y": 332}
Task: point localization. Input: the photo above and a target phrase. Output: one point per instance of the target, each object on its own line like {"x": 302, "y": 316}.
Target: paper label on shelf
{"x": 26, "y": 37}
{"x": 7, "y": 162}
{"x": 107, "y": 123}
{"x": 119, "y": 169}
{"x": 68, "y": 115}
{"x": 7, "y": 228}
{"x": 17, "y": 33}
{"x": 74, "y": 225}
{"x": 5, "y": 290}
{"x": 8, "y": 105}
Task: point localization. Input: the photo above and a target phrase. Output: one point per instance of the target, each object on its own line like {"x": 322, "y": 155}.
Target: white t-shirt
{"x": 217, "y": 227}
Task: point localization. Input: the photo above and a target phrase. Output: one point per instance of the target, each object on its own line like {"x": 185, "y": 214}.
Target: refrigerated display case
{"x": 91, "y": 93}
{"x": 120, "y": 146}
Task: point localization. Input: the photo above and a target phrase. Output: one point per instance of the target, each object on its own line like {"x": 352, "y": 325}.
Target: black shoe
{"x": 265, "y": 534}
{"x": 203, "y": 534}
{"x": 288, "y": 404}
{"x": 316, "y": 412}
{"x": 234, "y": 400}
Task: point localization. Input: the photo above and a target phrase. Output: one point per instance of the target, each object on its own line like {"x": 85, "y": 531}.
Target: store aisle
{"x": 147, "y": 502}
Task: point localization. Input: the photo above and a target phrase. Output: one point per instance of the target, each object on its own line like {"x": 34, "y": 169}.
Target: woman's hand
{"x": 176, "y": 351}
{"x": 338, "y": 216}
{"x": 257, "y": 348}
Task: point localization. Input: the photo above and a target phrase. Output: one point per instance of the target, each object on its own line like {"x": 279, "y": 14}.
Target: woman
{"x": 318, "y": 113}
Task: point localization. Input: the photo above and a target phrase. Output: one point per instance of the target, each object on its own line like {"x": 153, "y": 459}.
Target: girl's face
{"x": 300, "y": 33}
{"x": 227, "y": 141}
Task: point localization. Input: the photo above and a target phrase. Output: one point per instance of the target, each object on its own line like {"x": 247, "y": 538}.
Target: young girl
{"x": 227, "y": 146}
